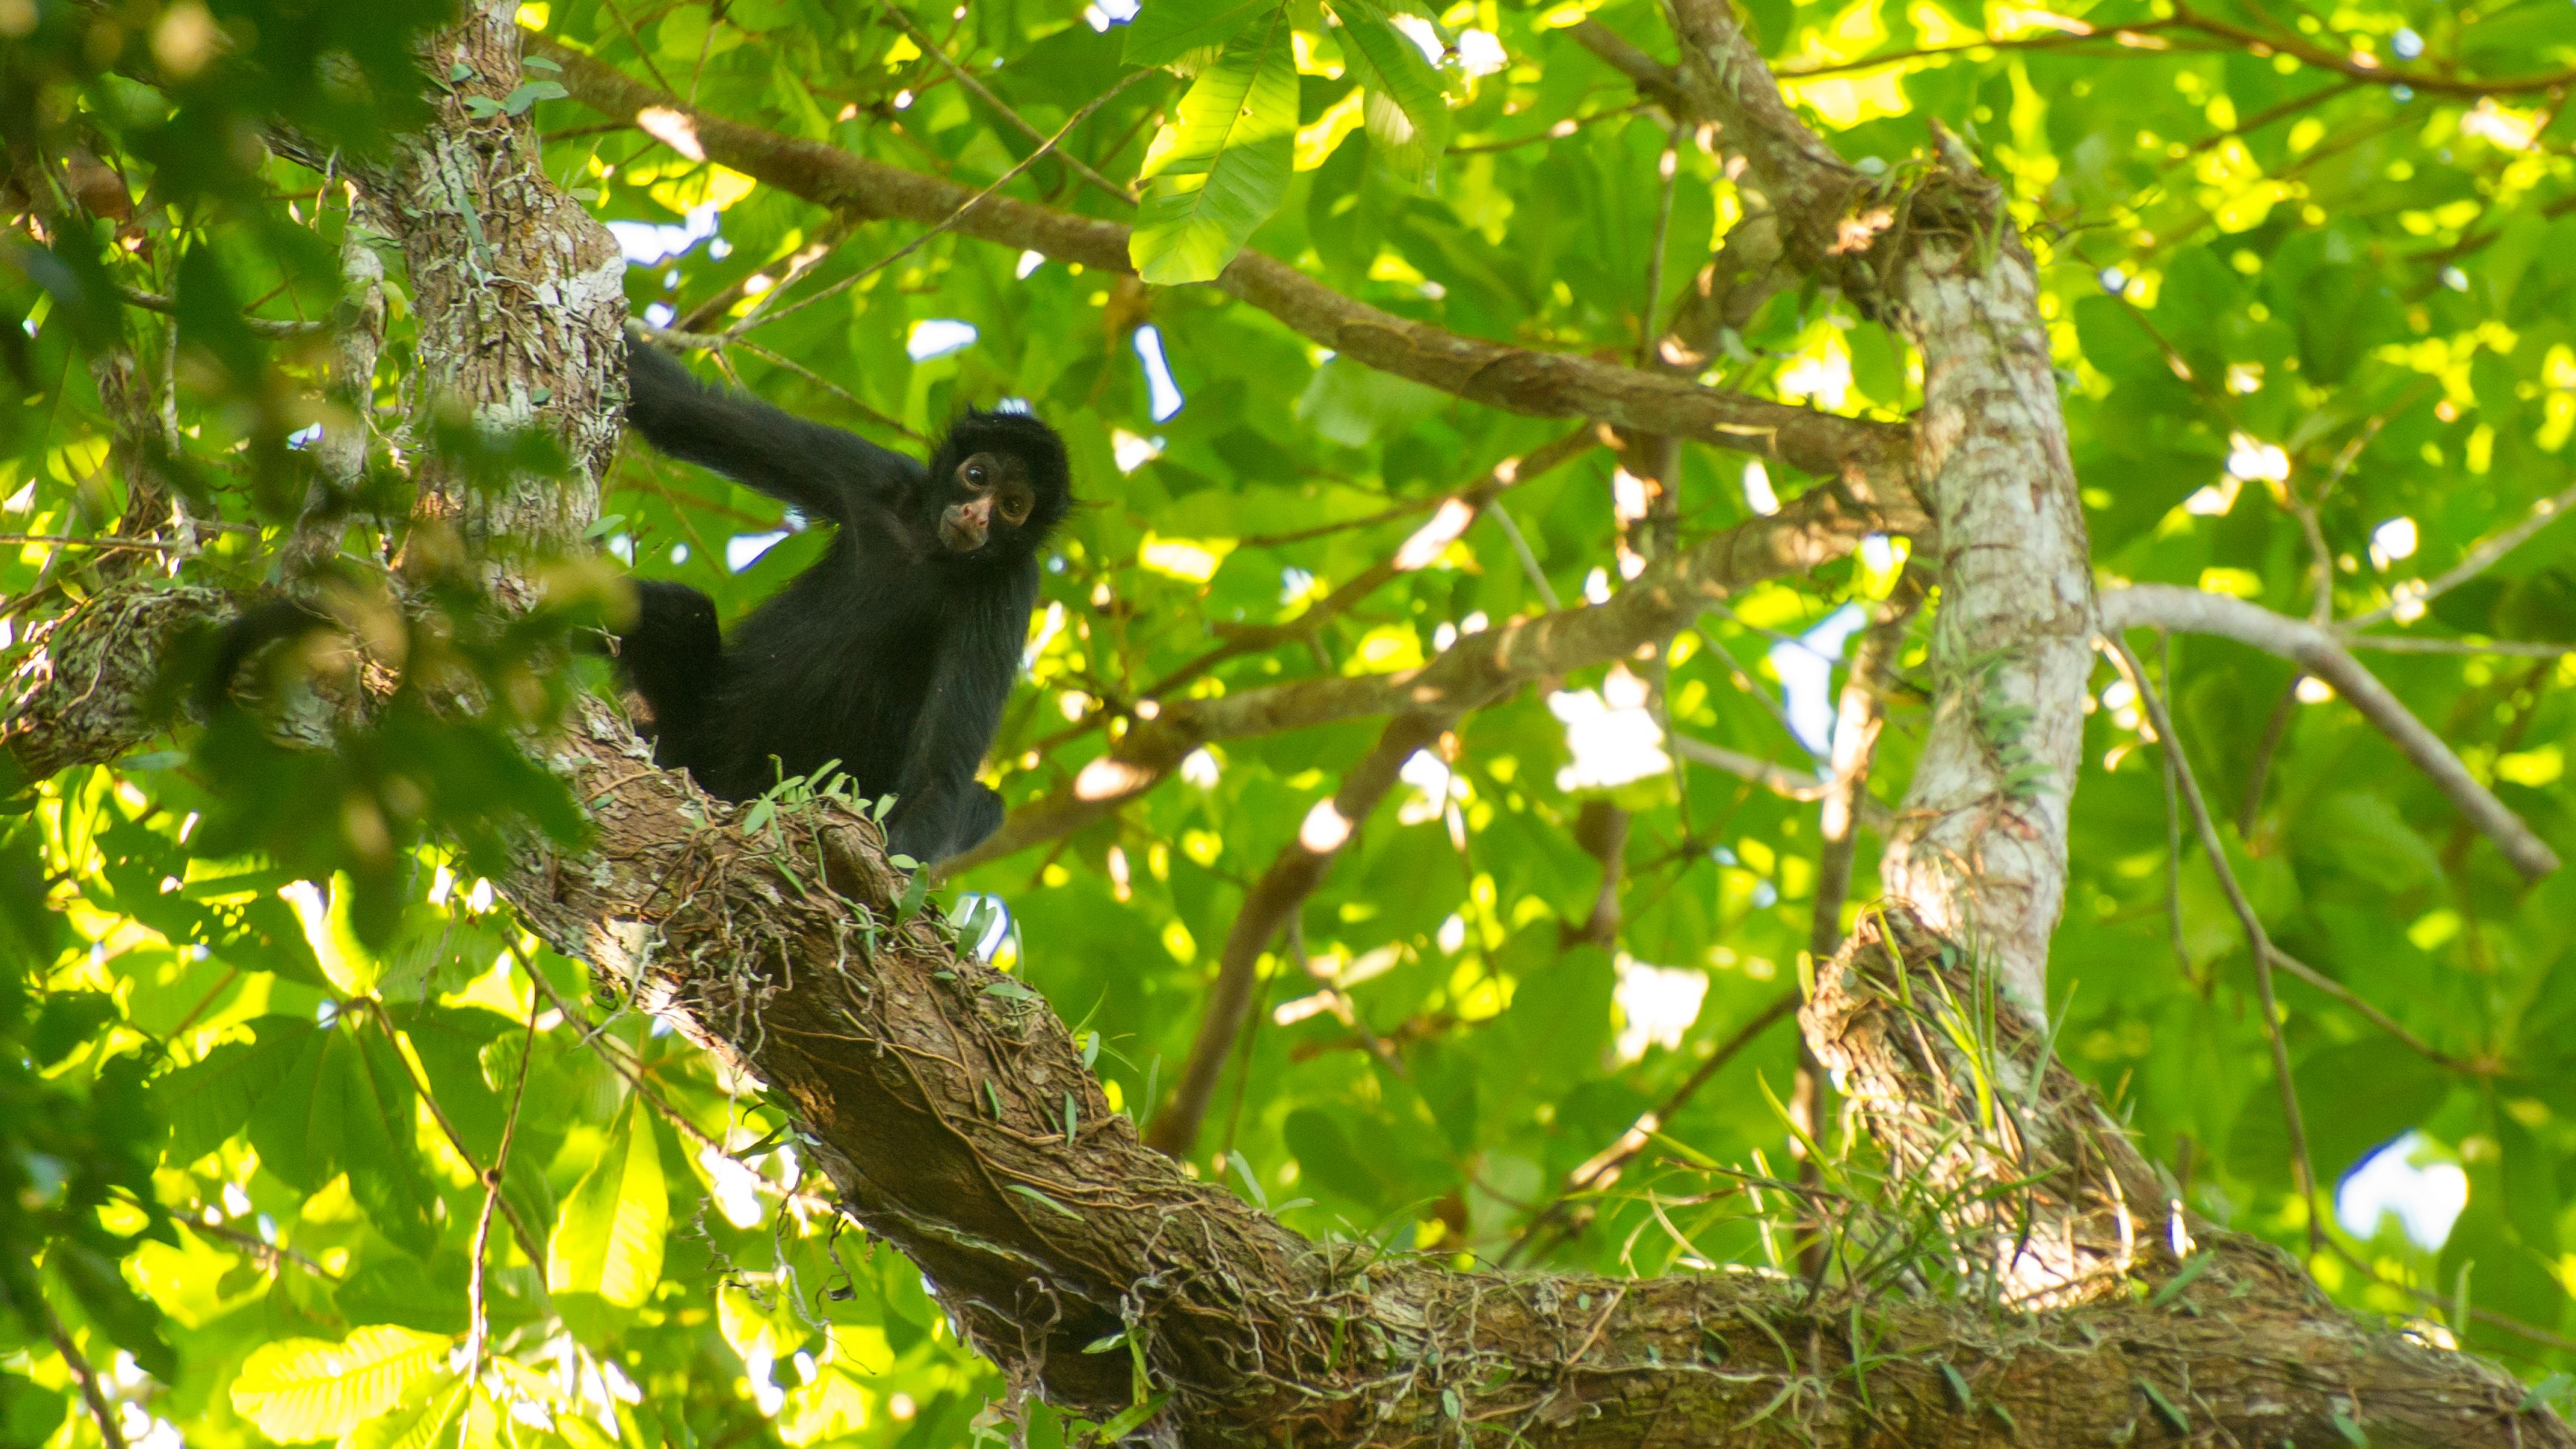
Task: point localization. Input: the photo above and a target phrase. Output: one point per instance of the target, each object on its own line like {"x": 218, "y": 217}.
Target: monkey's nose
{"x": 963, "y": 526}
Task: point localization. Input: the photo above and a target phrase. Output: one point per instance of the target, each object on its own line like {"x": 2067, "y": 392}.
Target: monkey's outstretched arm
{"x": 820, "y": 470}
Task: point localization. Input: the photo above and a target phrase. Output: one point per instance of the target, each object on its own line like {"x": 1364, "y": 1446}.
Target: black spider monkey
{"x": 895, "y": 652}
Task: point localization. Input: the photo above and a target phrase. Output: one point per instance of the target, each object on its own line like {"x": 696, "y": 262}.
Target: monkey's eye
{"x": 975, "y": 474}
{"x": 1015, "y": 506}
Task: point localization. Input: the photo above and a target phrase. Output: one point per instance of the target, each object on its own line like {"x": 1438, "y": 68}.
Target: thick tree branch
{"x": 1812, "y": 191}
{"x": 79, "y": 694}
{"x": 2321, "y": 653}
{"x": 1822, "y": 525}
{"x": 1867, "y": 454}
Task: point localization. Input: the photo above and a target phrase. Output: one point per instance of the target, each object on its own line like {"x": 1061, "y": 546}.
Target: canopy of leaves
{"x": 2311, "y": 280}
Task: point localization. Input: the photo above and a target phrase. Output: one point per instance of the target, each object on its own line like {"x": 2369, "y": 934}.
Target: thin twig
{"x": 2361, "y": 1006}
{"x": 827, "y": 239}
{"x": 680, "y": 1123}
{"x": 976, "y": 88}
{"x": 1557, "y": 132}
{"x": 2321, "y": 652}
{"x": 2302, "y": 1172}
{"x": 1669, "y": 162}
{"x": 1859, "y": 714}
{"x": 529, "y": 1243}
{"x": 1604, "y": 1167}
{"x": 2274, "y": 729}
{"x": 1046, "y": 145}
{"x": 92, "y": 1392}
{"x": 259, "y": 326}
{"x": 643, "y": 52}
{"x": 2408, "y": 644}
{"x": 477, "y": 1326}
{"x": 2475, "y": 562}
{"x": 66, "y": 540}
{"x": 277, "y": 1254}
{"x": 1529, "y": 560}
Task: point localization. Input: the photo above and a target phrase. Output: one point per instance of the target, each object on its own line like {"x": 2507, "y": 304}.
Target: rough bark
{"x": 1980, "y": 846}
{"x": 1822, "y": 525}
{"x": 1543, "y": 384}
{"x": 938, "y": 1099}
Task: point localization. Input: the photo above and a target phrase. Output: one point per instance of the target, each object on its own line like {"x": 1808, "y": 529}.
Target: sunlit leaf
{"x": 1220, "y": 166}
{"x": 609, "y": 1238}
{"x": 305, "y": 1388}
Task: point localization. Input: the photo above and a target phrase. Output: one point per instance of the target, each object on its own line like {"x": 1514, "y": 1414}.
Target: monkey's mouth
{"x": 960, "y": 535}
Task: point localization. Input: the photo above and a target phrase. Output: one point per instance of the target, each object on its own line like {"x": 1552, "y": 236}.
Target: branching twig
{"x": 1299, "y": 867}
{"x": 2258, "y": 941}
{"x": 529, "y": 1241}
{"x": 478, "y": 1325}
{"x": 1551, "y": 1226}
{"x": 259, "y": 326}
{"x": 2476, "y": 561}
{"x": 966, "y": 79}
{"x": 2321, "y": 652}
{"x": 92, "y": 1391}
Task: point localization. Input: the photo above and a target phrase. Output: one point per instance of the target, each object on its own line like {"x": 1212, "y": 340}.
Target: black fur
{"x": 894, "y": 653}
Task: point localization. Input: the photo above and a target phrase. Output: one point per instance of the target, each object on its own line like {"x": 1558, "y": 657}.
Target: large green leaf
{"x": 1165, "y": 30}
{"x": 418, "y": 1423}
{"x": 1220, "y": 167}
{"x": 306, "y": 1388}
{"x": 608, "y": 1242}
{"x": 296, "y": 1123}
{"x": 211, "y": 1099}
{"x": 1407, "y": 116}
{"x": 381, "y": 1149}
{"x": 2353, "y": 1098}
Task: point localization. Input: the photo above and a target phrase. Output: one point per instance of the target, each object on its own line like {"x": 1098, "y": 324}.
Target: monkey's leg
{"x": 935, "y": 829}
{"x": 674, "y": 656}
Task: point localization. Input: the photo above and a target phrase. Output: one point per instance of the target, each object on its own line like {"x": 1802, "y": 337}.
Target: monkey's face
{"x": 996, "y": 486}
{"x": 990, "y": 496}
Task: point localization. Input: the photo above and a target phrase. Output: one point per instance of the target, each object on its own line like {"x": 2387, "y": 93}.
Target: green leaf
{"x": 1132, "y": 1418}
{"x": 296, "y": 1124}
{"x": 532, "y": 92}
{"x": 1031, "y": 1193}
{"x": 1406, "y": 114}
{"x": 609, "y": 1239}
{"x": 381, "y": 1147}
{"x": 1165, "y": 30}
{"x": 306, "y": 1388}
{"x": 2376, "y": 1089}
{"x": 1219, "y": 169}
{"x": 2173, "y": 1414}
{"x": 2182, "y": 1279}
{"x": 416, "y": 1425}
{"x": 915, "y": 891}
{"x": 128, "y": 1318}
{"x": 209, "y": 1100}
